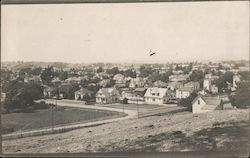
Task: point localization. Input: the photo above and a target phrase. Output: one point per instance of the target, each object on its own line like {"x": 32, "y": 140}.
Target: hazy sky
{"x": 126, "y": 32}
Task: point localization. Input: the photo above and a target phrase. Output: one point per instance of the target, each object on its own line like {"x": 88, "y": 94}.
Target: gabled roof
{"x": 140, "y": 89}
{"x": 192, "y": 83}
{"x": 108, "y": 92}
{"x": 186, "y": 89}
{"x": 209, "y": 100}
{"x": 162, "y": 92}
{"x": 160, "y": 83}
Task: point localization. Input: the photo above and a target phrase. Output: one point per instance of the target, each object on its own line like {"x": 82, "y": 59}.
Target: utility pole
{"x": 123, "y": 107}
{"x": 52, "y": 118}
{"x": 137, "y": 109}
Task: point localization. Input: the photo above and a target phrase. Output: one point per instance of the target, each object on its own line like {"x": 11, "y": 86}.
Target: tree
{"x": 244, "y": 75}
{"x": 21, "y": 95}
{"x": 197, "y": 75}
{"x": 36, "y": 71}
{"x": 5, "y": 75}
{"x": 63, "y": 75}
{"x": 224, "y": 80}
{"x": 241, "y": 98}
{"x": 145, "y": 71}
{"x": 100, "y": 69}
{"x": 129, "y": 73}
{"x": 187, "y": 102}
{"x": 113, "y": 71}
{"x": 47, "y": 75}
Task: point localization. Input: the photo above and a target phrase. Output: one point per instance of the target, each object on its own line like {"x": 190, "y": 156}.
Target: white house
{"x": 178, "y": 78}
{"x": 119, "y": 77}
{"x": 183, "y": 92}
{"x": 203, "y": 104}
{"x": 136, "y": 82}
{"x": 83, "y": 94}
{"x": 214, "y": 89}
{"x": 207, "y": 84}
{"x": 236, "y": 79}
{"x": 174, "y": 85}
{"x": 107, "y": 95}
{"x": 193, "y": 84}
{"x": 156, "y": 96}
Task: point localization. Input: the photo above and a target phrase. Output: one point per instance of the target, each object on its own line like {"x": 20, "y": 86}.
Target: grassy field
{"x": 13, "y": 122}
{"x": 222, "y": 130}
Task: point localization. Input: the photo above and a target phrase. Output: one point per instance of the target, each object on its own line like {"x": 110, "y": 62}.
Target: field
{"x": 215, "y": 131}
{"x": 13, "y": 122}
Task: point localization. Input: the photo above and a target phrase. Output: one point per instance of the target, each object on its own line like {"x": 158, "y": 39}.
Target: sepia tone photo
{"x": 125, "y": 79}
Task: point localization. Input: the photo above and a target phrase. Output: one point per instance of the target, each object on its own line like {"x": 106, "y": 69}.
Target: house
{"x": 105, "y": 83}
{"x": 156, "y": 95}
{"x": 120, "y": 81}
{"x": 203, "y": 104}
{"x": 194, "y": 85}
{"x": 33, "y": 79}
{"x": 236, "y": 79}
{"x": 3, "y": 96}
{"x": 214, "y": 89}
{"x": 160, "y": 84}
{"x": 83, "y": 94}
{"x": 174, "y": 85}
{"x": 135, "y": 97}
{"x": 107, "y": 95}
{"x": 75, "y": 80}
{"x": 64, "y": 90}
{"x": 119, "y": 77}
{"x": 56, "y": 82}
{"x": 48, "y": 91}
{"x": 136, "y": 82}
{"x": 211, "y": 77}
{"x": 178, "y": 78}
{"x": 183, "y": 92}
{"x": 207, "y": 84}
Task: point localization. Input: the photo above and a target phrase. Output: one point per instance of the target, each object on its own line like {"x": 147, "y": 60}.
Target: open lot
{"x": 214, "y": 131}
{"x": 146, "y": 109}
{"x": 62, "y": 115}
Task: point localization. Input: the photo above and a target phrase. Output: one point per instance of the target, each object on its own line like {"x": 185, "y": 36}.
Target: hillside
{"x": 218, "y": 130}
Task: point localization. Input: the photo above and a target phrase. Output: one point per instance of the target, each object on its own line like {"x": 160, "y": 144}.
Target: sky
{"x": 125, "y": 32}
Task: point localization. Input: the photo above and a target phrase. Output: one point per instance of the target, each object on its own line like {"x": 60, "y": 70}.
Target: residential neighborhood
{"x": 123, "y": 79}
{"x": 128, "y": 84}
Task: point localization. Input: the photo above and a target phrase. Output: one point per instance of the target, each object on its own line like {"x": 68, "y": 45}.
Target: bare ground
{"x": 214, "y": 131}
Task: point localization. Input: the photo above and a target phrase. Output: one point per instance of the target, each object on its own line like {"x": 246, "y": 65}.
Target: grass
{"x": 13, "y": 122}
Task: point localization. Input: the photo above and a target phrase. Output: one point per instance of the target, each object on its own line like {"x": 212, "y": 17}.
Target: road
{"x": 68, "y": 103}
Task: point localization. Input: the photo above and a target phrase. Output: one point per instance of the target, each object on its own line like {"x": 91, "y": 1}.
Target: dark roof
{"x": 140, "y": 89}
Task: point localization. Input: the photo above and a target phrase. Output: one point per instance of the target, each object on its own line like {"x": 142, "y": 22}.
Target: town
{"x": 157, "y": 84}
{"x": 144, "y": 79}
{"x": 106, "y": 93}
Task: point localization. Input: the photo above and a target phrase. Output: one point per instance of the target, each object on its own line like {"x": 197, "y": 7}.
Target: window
{"x": 199, "y": 102}
{"x": 157, "y": 94}
{"x": 153, "y": 99}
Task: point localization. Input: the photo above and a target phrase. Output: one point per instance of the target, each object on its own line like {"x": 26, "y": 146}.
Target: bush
{"x": 187, "y": 102}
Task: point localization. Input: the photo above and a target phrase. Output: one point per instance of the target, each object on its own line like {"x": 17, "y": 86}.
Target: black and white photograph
{"x": 144, "y": 78}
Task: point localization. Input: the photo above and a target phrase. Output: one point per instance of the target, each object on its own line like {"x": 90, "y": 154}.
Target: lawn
{"x": 13, "y": 122}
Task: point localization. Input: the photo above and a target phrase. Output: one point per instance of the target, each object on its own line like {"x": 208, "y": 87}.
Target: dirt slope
{"x": 219, "y": 130}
